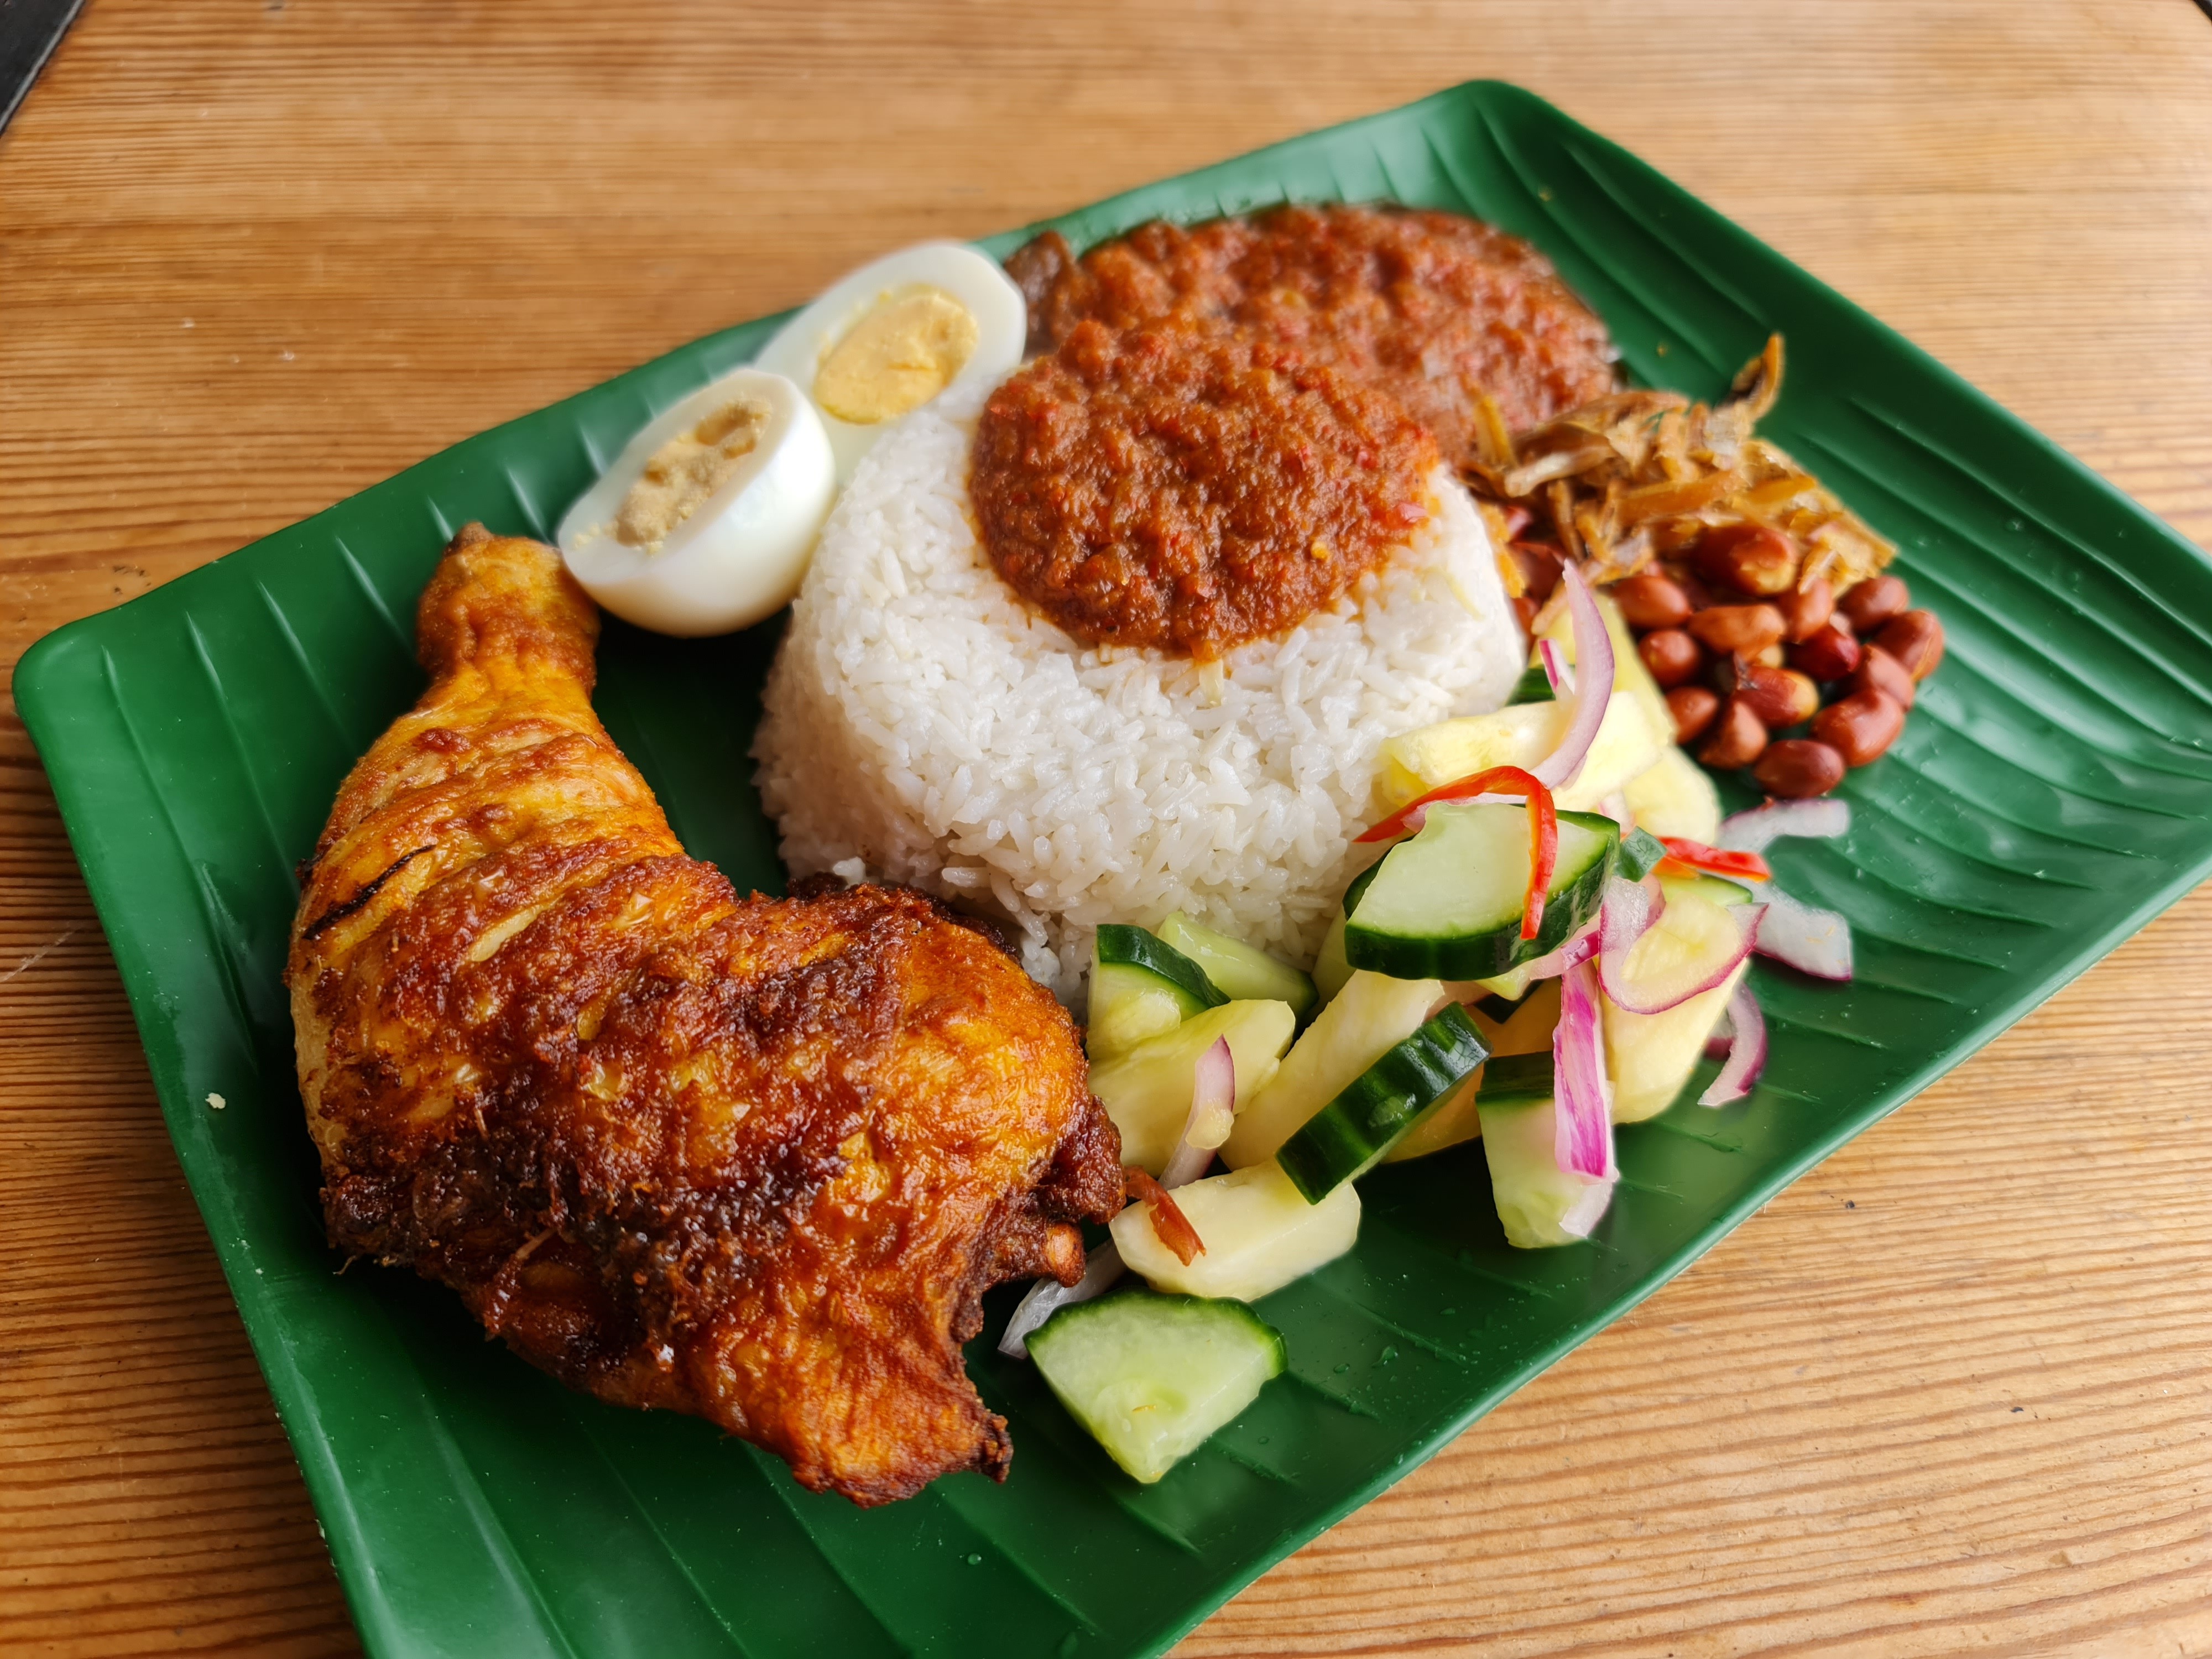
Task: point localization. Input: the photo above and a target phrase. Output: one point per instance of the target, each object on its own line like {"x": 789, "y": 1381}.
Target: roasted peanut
{"x": 1879, "y": 672}
{"x": 1806, "y": 611}
{"x": 1781, "y": 697}
{"x": 1861, "y": 726}
{"x": 1694, "y": 591}
{"x": 1808, "y": 703}
{"x": 1873, "y": 602}
{"x": 1747, "y": 558}
{"x": 1797, "y": 768}
{"x": 1915, "y": 640}
{"x": 1650, "y": 601}
{"x": 1829, "y": 654}
{"x": 1738, "y": 736}
{"x": 1772, "y": 656}
{"x": 1693, "y": 708}
{"x": 1672, "y": 656}
{"x": 1749, "y": 629}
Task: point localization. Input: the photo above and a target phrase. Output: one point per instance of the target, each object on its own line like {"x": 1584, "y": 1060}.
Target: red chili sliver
{"x": 1543, "y": 857}
{"x": 1498, "y": 781}
{"x": 1690, "y": 858}
{"x": 1543, "y": 828}
{"x": 1169, "y": 1221}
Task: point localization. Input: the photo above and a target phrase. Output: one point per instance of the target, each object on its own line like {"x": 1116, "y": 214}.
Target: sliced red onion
{"x": 1582, "y": 1093}
{"x": 1582, "y": 1216}
{"x": 1747, "y": 1051}
{"x": 1594, "y": 668}
{"x": 1812, "y": 820}
{"x": 1625, "y": 915}
{"x": 1048, "y": 1296}
{"x": 1635, "y": 999}
{"x": 1557, "y": 668}
{"x": 1721, "y": 1038}
{"x": 1811, "y": 940}
{"x": 1213, "y": 1114}
{"x": 1615, "y": 807}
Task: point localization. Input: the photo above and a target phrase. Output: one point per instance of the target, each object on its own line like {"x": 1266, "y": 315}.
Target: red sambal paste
{"x": 1434, "y": 308}
{"x": 1191, "y": 488}
{"x": 1233, "y": 421}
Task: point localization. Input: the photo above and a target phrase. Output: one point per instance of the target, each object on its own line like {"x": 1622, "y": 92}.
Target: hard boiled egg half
{"x": 707, "y": 519}
{"x": 896, "y": 333}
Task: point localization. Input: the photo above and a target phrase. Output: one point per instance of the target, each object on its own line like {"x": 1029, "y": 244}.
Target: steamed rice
{"x": 921, "y": 725}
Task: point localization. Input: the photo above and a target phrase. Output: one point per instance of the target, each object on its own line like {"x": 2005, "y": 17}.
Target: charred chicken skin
{"x": 755, "y": 1159}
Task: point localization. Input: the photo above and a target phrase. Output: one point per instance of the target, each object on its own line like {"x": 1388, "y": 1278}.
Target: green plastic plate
{"x": 2052, "y": 791}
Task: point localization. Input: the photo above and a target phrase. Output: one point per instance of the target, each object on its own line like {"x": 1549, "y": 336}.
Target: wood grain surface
{"x": 1951, "y": 1392}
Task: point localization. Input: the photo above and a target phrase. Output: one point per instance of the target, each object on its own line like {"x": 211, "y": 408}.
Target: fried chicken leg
{"x": 755, "y": 1159}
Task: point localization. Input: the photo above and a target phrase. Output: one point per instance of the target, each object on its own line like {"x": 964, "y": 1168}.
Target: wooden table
{"x": 1951, "y": 1391}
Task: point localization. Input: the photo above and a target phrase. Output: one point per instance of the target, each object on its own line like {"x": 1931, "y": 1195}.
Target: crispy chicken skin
{"x": 752, "y": 1158}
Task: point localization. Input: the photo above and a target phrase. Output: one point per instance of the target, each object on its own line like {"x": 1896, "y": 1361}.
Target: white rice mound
{"x": 922, "y": 725}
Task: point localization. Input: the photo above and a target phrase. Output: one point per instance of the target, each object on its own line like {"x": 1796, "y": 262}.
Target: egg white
{"x": 738, "y": 557}
{"x": 1001, "y": 315}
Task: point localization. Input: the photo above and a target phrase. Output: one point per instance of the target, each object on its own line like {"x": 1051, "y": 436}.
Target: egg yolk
{"x": 687, "y": 470}
{"x": 901, "y": 354}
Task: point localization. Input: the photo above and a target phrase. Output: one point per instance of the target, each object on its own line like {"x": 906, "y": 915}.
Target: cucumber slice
{"x": 1527, "y": 1031}
{"x": 1675, "y": 797}
{"x": 1449, "y": 902}
{"x": 1129, "y": 1005}
{"x": 1331, "y": 971}
{"x": 1330, "y": 968}
{"x": 1640, "y": 853}
{"x": 1369, "y": 1017}
{"x": 1713, "y": 888}
{"x": 1535, "y": 685}
{"x": 1140, "y": 988}
{"x": 1460, "y": 1118}
{"x": 1147, "y": 1091}
{"x": 1356, "y": 1131}
{"x": 1540, "y": 1204}
{"x": 1520, "y": 1079}
{"x": 1150, "y": 1376}
{"x": 1236, "y": 970}
{"x": 1121, "y": 945}
{"x": 1360, "y": 883}
{"x": 1454, "y": 1120}
{"x": 1258, "y": 1232}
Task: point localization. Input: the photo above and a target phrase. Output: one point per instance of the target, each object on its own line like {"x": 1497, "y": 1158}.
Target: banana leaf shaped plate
{"x": 2052, "y": 791}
